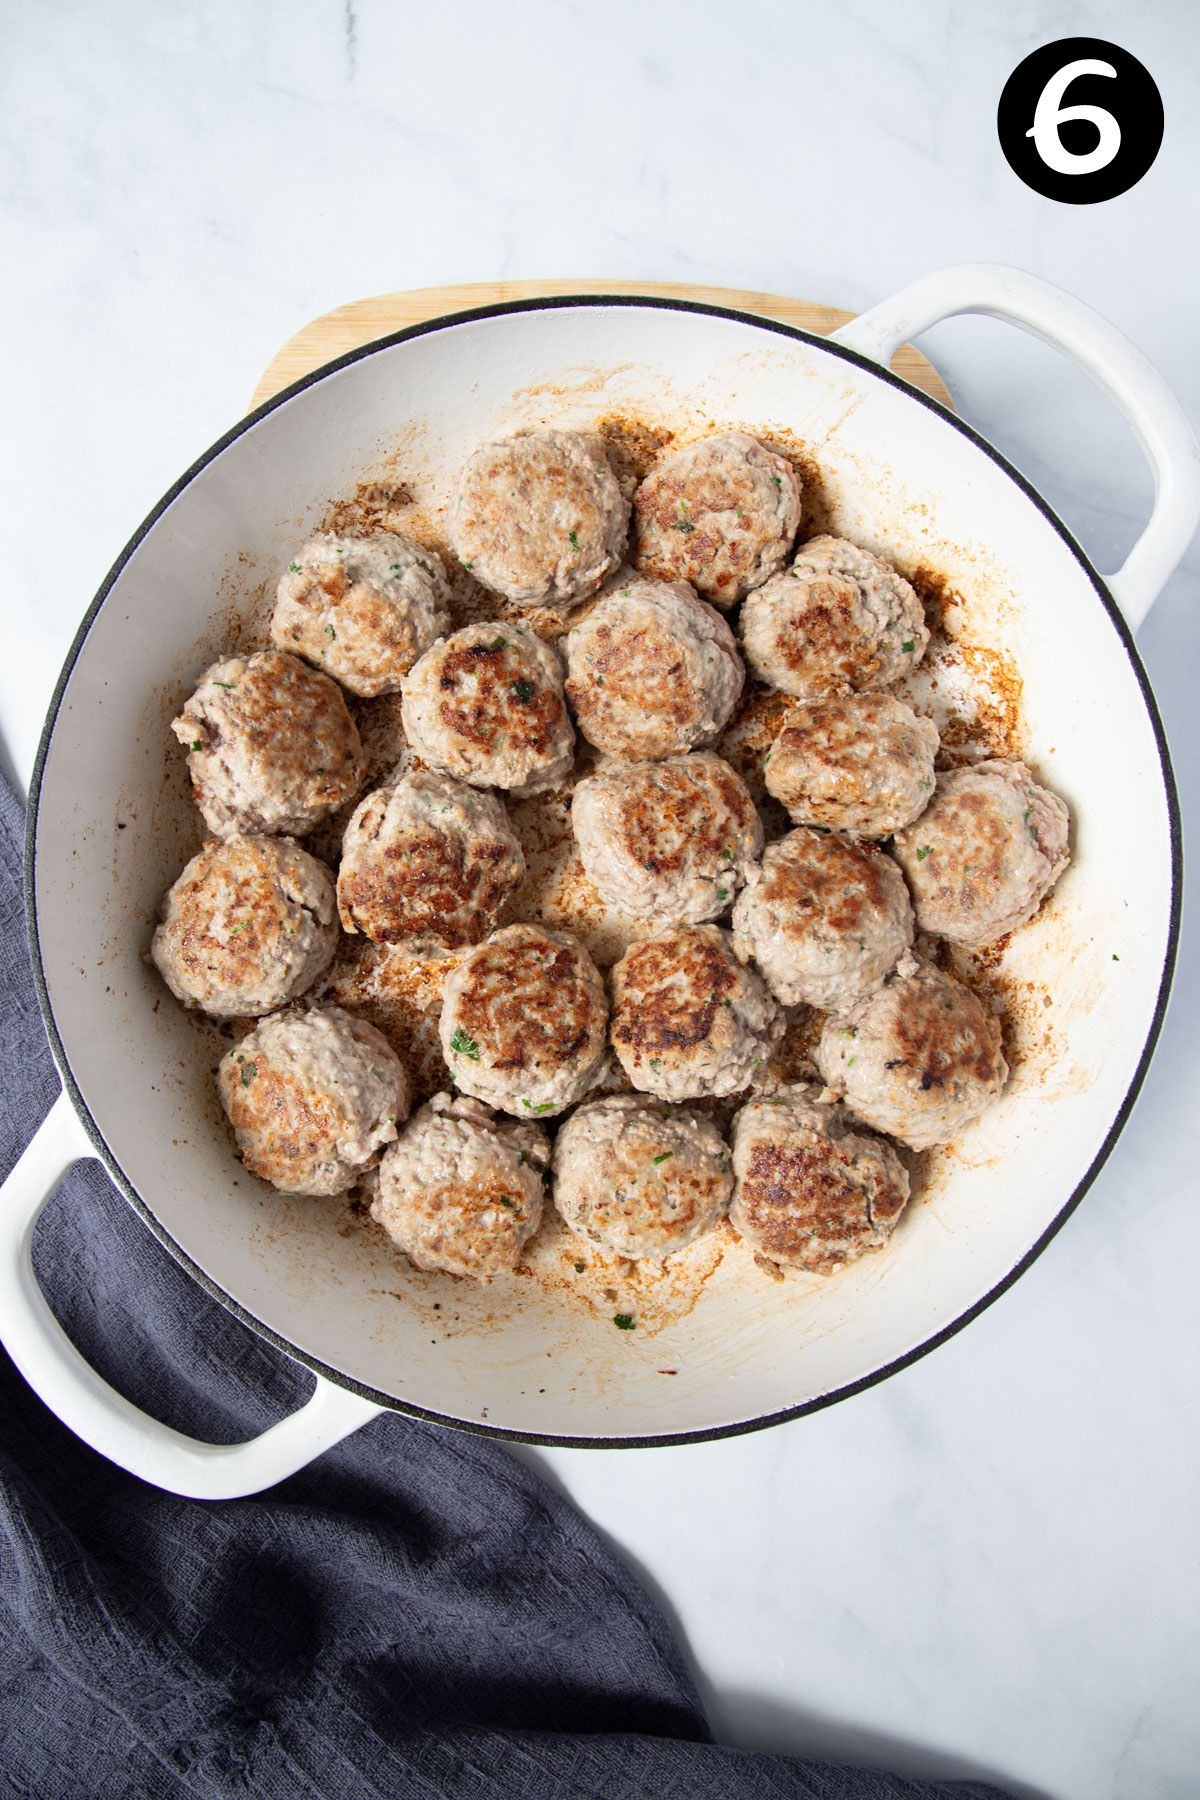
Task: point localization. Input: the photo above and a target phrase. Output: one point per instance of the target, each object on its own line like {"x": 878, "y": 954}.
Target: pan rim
{"x": 483, "y": 1428}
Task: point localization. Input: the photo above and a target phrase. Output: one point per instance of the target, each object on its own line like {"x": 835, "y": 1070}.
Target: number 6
{"x": 1051, "y": 113}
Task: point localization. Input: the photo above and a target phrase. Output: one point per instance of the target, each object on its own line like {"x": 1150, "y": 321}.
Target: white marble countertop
{"x": 989, "y": 1563}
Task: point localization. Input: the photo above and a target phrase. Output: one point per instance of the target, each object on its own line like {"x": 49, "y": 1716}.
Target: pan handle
{"x": 92, "y": 1409}
{"x": 1060, "y": 320}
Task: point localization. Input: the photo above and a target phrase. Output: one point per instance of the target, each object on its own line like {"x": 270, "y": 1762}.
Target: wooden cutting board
{"x": 349, "y": 327}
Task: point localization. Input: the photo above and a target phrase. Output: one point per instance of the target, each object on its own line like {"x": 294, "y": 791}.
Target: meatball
{"x": 539, "y": 517}
{"x": 248, "y": 926}
{"x": 273, "y": 748}
{"x": 919, "y": 1058}
{"x": 640, "y": 1182}
{"x": 858, "y": 763}
{"x": 523, "y": 1021}
{"x": 486, "y": 704}
{"x": 362, "y": 608}
{"x": 461, "y": 1188}
{"x": 652, "y": 671}
{"x": 312, "y": 1098}
{"x": 667, "y": 841}
{"x": 427, "y": 862}
{"x": 825, "y": 918}
{"x": 720, "y": 514}
{"x": 811, "y": 1192}
{"x": 985, "y": 852}
{"x": 838, "y": 621}
{"x": 688, "y": 1019}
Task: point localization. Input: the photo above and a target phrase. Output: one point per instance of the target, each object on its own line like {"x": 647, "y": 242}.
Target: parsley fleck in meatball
{"x": 486, "y": 704}
{"x": 248, "y": 926}
{"x": 461, "y": 1189}
{"x": 637, "y": 1182}
{"x": 985, "y": 853}
{"x": 668, "y": 841}
{"x": 812, "y": 1192}
{"x": 523, "y": 1021}
{"x": 857, "y": 763}
{"x": 720, "y": 514}
{"x": 824, "y": 917}
{"x": 312, "y": 1098}
{"x": 688, "y": 1019}
{"x": 272, "y": 747}
{"x": 838, "y": 621}
{"x": 362, "y": 608}
{"x": 539, "y": 517}
{"x": 652, "y": 671}
{"x": 427, "y": 862}
{"x": 919, "y": 1058}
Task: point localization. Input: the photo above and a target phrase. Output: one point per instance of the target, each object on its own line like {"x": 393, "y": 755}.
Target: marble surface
{"x": 989, "y": 1563}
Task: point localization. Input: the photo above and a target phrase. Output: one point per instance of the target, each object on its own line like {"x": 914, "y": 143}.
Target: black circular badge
{"x": 1080, "y": 120}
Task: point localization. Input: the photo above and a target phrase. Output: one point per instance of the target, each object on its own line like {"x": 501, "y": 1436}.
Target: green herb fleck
{"x": 777, "y": 480}
{"x": 908, "y": 645}
{"x": 508, "y": 1201}
{"x": 684, "y": 525}
{"x": 625, "y": 593}
{"x": 293, "y": 568}
{"x": 599, "y": 681}
{"x": 522, "y": 690}
{"x": 727, "y": 856}
{"x": 664, "y": 1157}
{"x": 850, "y": 1061}
{"x": 546, "y": 1106}
{"x": 249, "y": 1071}
{"x": 573, "y": 539}
{"x": 466, "y": 564}
{"x": 196, "y": 744}
{"x": 923, "y": 852}
{"x": 722, "y": 894}
{"x": 463, "y": 1045}
{"x": 330, "y": 633}
{"x": 500, "y": 643}
{"x": 1116, "y": 958}
{"x": 320, "y": 769}
{"x": 240, "y": 926}
{"x": 656, "y": 1062}
{"x": 624, "y": 1322}
{"x": 224, "y": 684}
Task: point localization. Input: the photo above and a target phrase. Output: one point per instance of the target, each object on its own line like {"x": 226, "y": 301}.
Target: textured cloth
{"x": 415, "y": 1614}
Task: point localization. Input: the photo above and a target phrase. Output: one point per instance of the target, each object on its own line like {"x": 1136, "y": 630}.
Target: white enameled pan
{"x": 900, "y": 474}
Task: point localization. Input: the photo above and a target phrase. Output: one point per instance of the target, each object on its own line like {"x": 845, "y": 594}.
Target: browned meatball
{"x": 273, "y": 748}
{"x": 688, "y": 1019}
{"x": 919, "y": 1058}
{"x": 638, "y": 1179}
{"x": 461, "y": 1188}
{"x": 720, "y": 514}
{"x": 812, "y": 1193}
{"x": 668, "y": 841}
{"x": 824, "y": 918}
{"x": 362, "y": 608}
{"x": 858, "y": 763}
{"x": 427, "y": 862}
{"x": 486, "y": 704}
{"x": 652, "y": 671}
{"x": 985, "y": 853}
{"x": 523, "y": 1021}
{"x": 248, "y": 926}
{"x": 539, "y": 517}
{"x": 840, "y": 620}
{"x": 312, "y": 1098}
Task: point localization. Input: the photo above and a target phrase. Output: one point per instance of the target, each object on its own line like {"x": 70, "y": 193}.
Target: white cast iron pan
{"x": 900, "y": 474}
